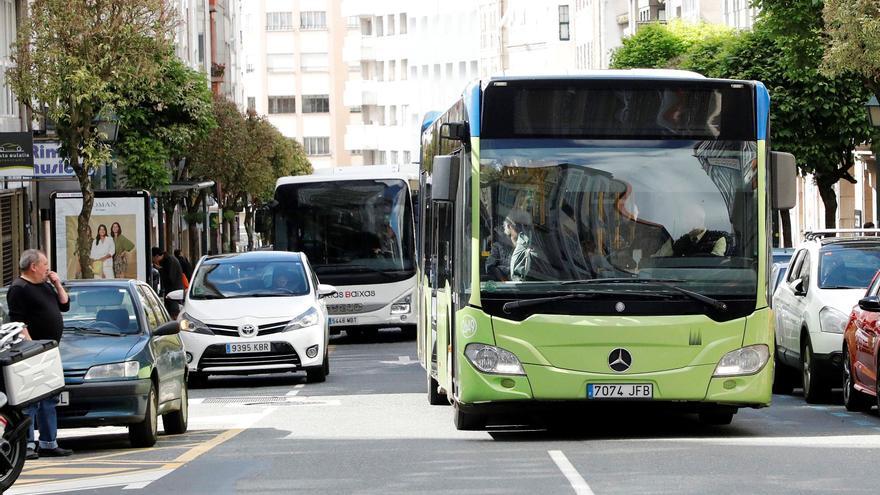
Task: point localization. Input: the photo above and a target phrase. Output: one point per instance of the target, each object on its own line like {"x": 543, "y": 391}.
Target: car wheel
{"x": 317, "y": 374}
{"x": 326, "y": 363}
{"x": 435, "y": 397}
{"x": 716, "y": 417}
{"x": 815, "y": 388}
{"x": 783, "y": 377}
{"x": 197, "y": 380}
{"x": 468, "y": 421}
{"x": 145, "y": 433}
{"x": 176, "y": 422}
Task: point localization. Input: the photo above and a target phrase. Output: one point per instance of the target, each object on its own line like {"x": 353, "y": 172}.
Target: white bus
{"x": 355, "y": 224}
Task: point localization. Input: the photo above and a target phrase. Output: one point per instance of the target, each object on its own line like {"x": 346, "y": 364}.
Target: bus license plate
{"x": 343, "y": 320}
{"x": 620, "y": 391}
{"x": 248, "y": 347}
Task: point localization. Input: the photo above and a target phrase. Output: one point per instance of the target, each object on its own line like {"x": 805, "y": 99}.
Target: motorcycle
{"x": 30, "y": 370}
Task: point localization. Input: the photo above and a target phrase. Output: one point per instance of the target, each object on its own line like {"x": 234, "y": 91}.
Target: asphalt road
{"x": 369, "y": 429}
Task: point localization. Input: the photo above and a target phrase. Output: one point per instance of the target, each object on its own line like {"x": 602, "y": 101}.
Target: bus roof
{"x": 607, "y": 74}
{"x": 402, "y": 172}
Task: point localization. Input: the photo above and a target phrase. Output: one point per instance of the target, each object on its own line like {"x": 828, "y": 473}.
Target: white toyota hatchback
{"x": 255, "y": 312}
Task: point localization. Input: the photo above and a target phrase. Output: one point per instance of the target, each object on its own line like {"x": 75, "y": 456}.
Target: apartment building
{"x": 295, "y": 74}
{"x": 11, "y": 112}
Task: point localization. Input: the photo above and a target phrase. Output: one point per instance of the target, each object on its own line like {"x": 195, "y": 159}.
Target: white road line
{"x": 295, "y": 390}
{"x": 577, "y": 481}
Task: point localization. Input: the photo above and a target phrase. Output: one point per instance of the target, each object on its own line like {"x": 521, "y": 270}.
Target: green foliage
{"x": 146, "y": 161}
{"x": 659, "y": 45}
{"x": 853, "y": 27}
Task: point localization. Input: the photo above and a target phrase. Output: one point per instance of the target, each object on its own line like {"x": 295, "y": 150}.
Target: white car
{"x": 825, "y": 279}
{"x": 255, "y": 312}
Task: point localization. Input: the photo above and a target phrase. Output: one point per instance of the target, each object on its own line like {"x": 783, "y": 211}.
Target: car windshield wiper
{"x": 95, "y": 331}
{"x": 661, "y": 282}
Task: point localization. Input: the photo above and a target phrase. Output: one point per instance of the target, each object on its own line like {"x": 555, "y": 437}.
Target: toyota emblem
{"x": 619, "y": 360}
{"x": 247, "y": 330}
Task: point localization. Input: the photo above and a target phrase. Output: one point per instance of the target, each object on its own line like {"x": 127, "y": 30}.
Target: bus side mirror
{"x": 457, "y": 131}
{"x": 444, "y": 178}
{"x": 783, "y": 189}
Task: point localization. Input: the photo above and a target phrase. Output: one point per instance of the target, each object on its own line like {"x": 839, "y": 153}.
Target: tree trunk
{"x": 193, "y": 206}
{"x": 83, "y": 239}
{"x": 249, "y": 226}
{"x": 170, "y": 235}
{"x": 829, "y": 199}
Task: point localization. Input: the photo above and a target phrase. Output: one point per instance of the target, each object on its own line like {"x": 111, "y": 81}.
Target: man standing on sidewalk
{"x": 171, "y": 276}
{"x": 37, "y": 299}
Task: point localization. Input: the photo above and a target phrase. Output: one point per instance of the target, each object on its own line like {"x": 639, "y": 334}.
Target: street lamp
{"x": 108, "y": 125}
{"x": 874, "y": 111}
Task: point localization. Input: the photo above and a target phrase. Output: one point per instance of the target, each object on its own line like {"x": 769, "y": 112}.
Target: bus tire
{"x": 716, "y": 417}
{"x": 435, "y": 397}
{"x": 468, "y": 421}
{"x": 409, "y": 331}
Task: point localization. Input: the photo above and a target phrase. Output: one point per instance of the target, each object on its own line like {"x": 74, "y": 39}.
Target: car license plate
{"x": 343, "y": 320}
{"x": 64, "y": 399}
{"x": 248, "y": 347}
{"x": 620, "y": 391}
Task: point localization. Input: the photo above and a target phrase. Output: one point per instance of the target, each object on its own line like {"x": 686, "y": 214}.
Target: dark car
{"x": 123, "y": 359}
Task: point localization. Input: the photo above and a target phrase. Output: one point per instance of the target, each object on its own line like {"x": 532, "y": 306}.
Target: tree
{"x": 73, "y": 58}
{"x": 656, "y": 45}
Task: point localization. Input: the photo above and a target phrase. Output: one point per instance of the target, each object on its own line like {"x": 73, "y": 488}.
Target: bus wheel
{"x": 468, "y": 421}
{"x": 409, "y": 331}
{"x": 716, "y": 417}
{"x": 435, "y": 397}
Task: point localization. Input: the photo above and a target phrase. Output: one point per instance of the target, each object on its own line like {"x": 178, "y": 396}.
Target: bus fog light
{"x": 491, "y": 359}
{"x": 402, "y": 305}
{"x": 312, "y": 351}
{"x": 743, "y": 361}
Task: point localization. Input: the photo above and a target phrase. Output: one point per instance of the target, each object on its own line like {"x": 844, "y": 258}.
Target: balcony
{"x": 359, "y": 93}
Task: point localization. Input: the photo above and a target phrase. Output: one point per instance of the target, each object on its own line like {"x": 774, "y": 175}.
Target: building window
{"x": 356, "y": 152}
{"x": 382, "y": 158}
{"x": 315, "y": 103}
{"x": 564, "y": 35}
{"x": 356, "y": 109}
{"x": 380, "y": 24}
{"x": 404, "y": 68}
{"x": 282, "y": 104}
{"x": 390, "y": 27}
{"x": 280, "y": 62}
{"x": 393, "y": 157}
{"x": 314, "y": 61}
{"x": 313, "y": 20}
{"x": 316, "y": 145}
{"x": 252, "y": 103}
{"x": 402, "y": 24}
{"x": 406, "y": 157}
{"x": 279, "y": 21}
{"x": 353, "y": 22}
{"x": 392, "y": 70}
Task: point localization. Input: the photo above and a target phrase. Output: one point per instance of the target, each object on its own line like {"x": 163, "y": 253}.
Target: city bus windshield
{"x": 353, "y": 231}
{"x": 555, "y": 212}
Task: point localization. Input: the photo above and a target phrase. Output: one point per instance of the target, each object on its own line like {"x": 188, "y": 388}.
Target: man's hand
{"x": 54, "y": 278}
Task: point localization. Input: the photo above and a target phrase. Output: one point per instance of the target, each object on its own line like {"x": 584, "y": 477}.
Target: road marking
{"x": 295, "y": 390}
{"x": 578, "y": 483}
{"x": 401, "y": 360}
{"x": 833, "y": 442}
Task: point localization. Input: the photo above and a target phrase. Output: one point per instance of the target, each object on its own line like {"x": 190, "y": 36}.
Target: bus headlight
{"x": 307, "y": 319}
{"x": 402, "y": 306}
{"x": 832, "y": 320}
{"x": 743, "y": 361}
{"x": 491, "y": 359}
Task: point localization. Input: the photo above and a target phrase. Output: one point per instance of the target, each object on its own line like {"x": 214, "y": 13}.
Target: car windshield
{"x": 231, "y": 278}
{"x": 101, "y": 310}
{"x": 566, "y": 210}
{"x": 848, "y": 266}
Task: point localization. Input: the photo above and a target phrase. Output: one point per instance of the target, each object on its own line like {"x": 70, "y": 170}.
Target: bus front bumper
{"x": 690, "y": 385}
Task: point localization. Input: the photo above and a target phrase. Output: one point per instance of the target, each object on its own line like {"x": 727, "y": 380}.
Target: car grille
{"x": 353, "y": 308}
{"x": 80, "y": 374}
{"x": 232, "y": 331}
{"x": 282, "y": 353}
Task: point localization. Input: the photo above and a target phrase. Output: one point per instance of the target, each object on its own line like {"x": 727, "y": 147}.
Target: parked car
{"x": 123, "y": 359}
{"x": 826, "y": 277}
{"x": 777, "y": 274}
{"x": 861, "y": 348}
{"x": 782, "y": 255}
{"x": 255, "y": 312}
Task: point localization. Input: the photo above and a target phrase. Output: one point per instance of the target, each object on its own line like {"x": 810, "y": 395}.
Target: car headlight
{"x": 402, "y": 306}
{"x": 491, "y": 359}
{"x": 128, "y": 369}
{"x": 743, "y": 361}
{"x": 307, "y": 319}
{"x": 190, "y": 324}
{"x": 832, "y": 320}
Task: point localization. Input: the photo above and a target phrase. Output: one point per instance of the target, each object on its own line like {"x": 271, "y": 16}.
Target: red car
{"x": 861, "y": 348}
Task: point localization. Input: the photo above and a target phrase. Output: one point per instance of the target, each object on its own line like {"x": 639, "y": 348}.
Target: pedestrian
{"x": 185, "y": 265}
{"x": 37, "y": 299}
{"x": 170, "y": 276}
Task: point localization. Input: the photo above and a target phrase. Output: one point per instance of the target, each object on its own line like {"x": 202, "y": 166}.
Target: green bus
{"x": 595, "y": 238}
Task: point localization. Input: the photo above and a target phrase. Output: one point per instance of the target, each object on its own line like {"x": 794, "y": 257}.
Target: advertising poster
{"x": 119, "y": 236}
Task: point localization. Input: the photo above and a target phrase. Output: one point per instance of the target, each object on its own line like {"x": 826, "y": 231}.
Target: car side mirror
{"x": 798, "y": 287}
{"x": 325, "y": 290}
{"x": 870, "y": 303}
{"x": 176, "y": 295}
{"x": 170, "y": 328}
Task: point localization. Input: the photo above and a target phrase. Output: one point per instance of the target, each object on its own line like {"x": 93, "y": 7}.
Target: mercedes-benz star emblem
{"x": 247, "y": 330}
{"x": 620, "y": 307}
{"x": 619, "y": 360}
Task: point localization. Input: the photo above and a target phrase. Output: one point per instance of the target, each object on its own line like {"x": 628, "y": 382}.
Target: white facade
{"x": 228, "y": 49}
{"x": 599, "y": 28}
{"x": 193, "y": 37}
{"x": 10, "y": 110}
{"x": 295, "y": 74}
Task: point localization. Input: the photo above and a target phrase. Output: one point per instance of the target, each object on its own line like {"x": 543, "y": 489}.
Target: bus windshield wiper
{"x": 522, "y": 303}
{"x": 661, "y": 282}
